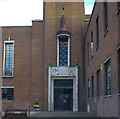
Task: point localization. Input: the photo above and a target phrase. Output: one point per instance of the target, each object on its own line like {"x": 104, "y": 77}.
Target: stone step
{"x": 62, "y": 114}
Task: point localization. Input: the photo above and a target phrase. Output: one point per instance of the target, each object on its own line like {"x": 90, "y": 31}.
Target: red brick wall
{"x": 37, "y": 64}
{"x": 104, "y": 106}
{"x": 22, "y": 66}
{"x": 74, "y": 13}
{"x": 33, "y": 47}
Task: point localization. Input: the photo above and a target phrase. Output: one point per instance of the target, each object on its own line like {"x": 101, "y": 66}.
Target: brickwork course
{"x": 33, "y": 45}
{"x": 104, "y": 105}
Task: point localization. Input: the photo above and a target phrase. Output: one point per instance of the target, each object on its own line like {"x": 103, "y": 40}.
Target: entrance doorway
{"x": 63, "y": 94}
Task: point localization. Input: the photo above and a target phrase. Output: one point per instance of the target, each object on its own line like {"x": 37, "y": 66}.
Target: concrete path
{"x": 63, "y": 114}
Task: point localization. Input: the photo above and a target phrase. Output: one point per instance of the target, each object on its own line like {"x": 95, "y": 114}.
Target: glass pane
{"x": 108, "y": 76}
{"x": 63, "y": 83}
{"x": 8, "y": 67}
{"x": 63, "y": 52}
{"x": 7, "y": 93}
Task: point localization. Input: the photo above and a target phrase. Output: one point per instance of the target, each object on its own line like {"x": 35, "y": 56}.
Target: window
{"x": 63, "y": 51}
{"x": 118, "y": 71}
{"x": 91, "y": 44}
{"x": 7, "y": 93}
{"x": 97, "y": 31}
{"x": 88, "y": 88}
{"x": 92, "y": 78}
{"x": 106, "y": 15}
{"x": 88, "y": 52}
{"x": 98, "y": 83}
{"x": 8, "y": 59}
{"x": 108, "y": 77}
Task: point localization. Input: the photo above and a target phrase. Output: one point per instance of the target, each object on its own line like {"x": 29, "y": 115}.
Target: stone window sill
{"x": 118, "y": 94}
{"x": 98, "y": 97}
{"x": 97, "y": 48}
{"x": 106, "y": 31}
{"x": 7, "y": 76}
{"x": 7, "y": 100}
{"x": 118, "y": 11}
{"x": 107, "y": 96}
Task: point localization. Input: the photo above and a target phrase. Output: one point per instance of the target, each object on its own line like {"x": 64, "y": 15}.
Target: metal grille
{"x": 63, "y": 94}
{"x": 63, "y": 83}
{"x": 63, "y": 52}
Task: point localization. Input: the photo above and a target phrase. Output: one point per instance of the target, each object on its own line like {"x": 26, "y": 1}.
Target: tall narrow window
{"x": 63, "y": 51}
{"x": 7, "y": 94}
{"x": 88, "y": 88}
{"x": 106, "y": 15}
{"x": 118, "y": 71}
{"x": 108, "y": 77}
{"x": 88, "y": 52}
{"x": 97, "y": 31}
{"x": 91, "y": 44}
{"x": 8, "y": 59}
{"x": 92, "y": 78}
{"x": 98, "y": 83}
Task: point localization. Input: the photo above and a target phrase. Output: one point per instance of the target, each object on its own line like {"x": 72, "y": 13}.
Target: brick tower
{"x": 73, "y": 14}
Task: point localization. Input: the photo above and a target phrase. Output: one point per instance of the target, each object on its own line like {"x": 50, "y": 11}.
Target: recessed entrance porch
{"x": 63, "y": 88}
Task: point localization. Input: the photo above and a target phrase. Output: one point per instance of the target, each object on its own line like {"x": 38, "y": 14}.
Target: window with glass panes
{"x": 106, "y": 15}
{"x": 97, "y": 31}
{"x": 92, "y": 44}
{"x": 7, "y": 93}
{"x": 88, "y": 52}
{"x": 92, "y": 78}
{"x": 63, "y": 52}
{"x": 108, "y": 77}
{"x": 8, "y": 61}
{"x": 88, "y": 88}
{"x": 119, "y": 71}
{"x": 98, "y": 83}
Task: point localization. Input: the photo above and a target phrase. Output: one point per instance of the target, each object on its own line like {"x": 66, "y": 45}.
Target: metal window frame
{"x": 105, "y": 64}
{"x": 8, "y": 87}
{"x": 8, "y": 42}
{"x": 58, "y": 48}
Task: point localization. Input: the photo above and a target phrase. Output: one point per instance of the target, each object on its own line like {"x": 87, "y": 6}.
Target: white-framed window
{"x": 8, "y": 61}
{"x": 7, "y": 93}
{"x": 63, "y": 50}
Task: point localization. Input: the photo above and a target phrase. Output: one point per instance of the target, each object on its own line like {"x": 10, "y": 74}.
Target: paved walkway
{"x": 63, "y": 114}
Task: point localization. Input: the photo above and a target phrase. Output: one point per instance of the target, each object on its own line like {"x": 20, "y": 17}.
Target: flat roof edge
{"x": 14, "y": 26}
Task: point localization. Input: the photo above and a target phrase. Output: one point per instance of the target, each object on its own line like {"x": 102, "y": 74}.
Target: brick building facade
{"x": 44, "y": 61}
{"x": 102, "y": 60}
{"x": 61, "y": 63}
